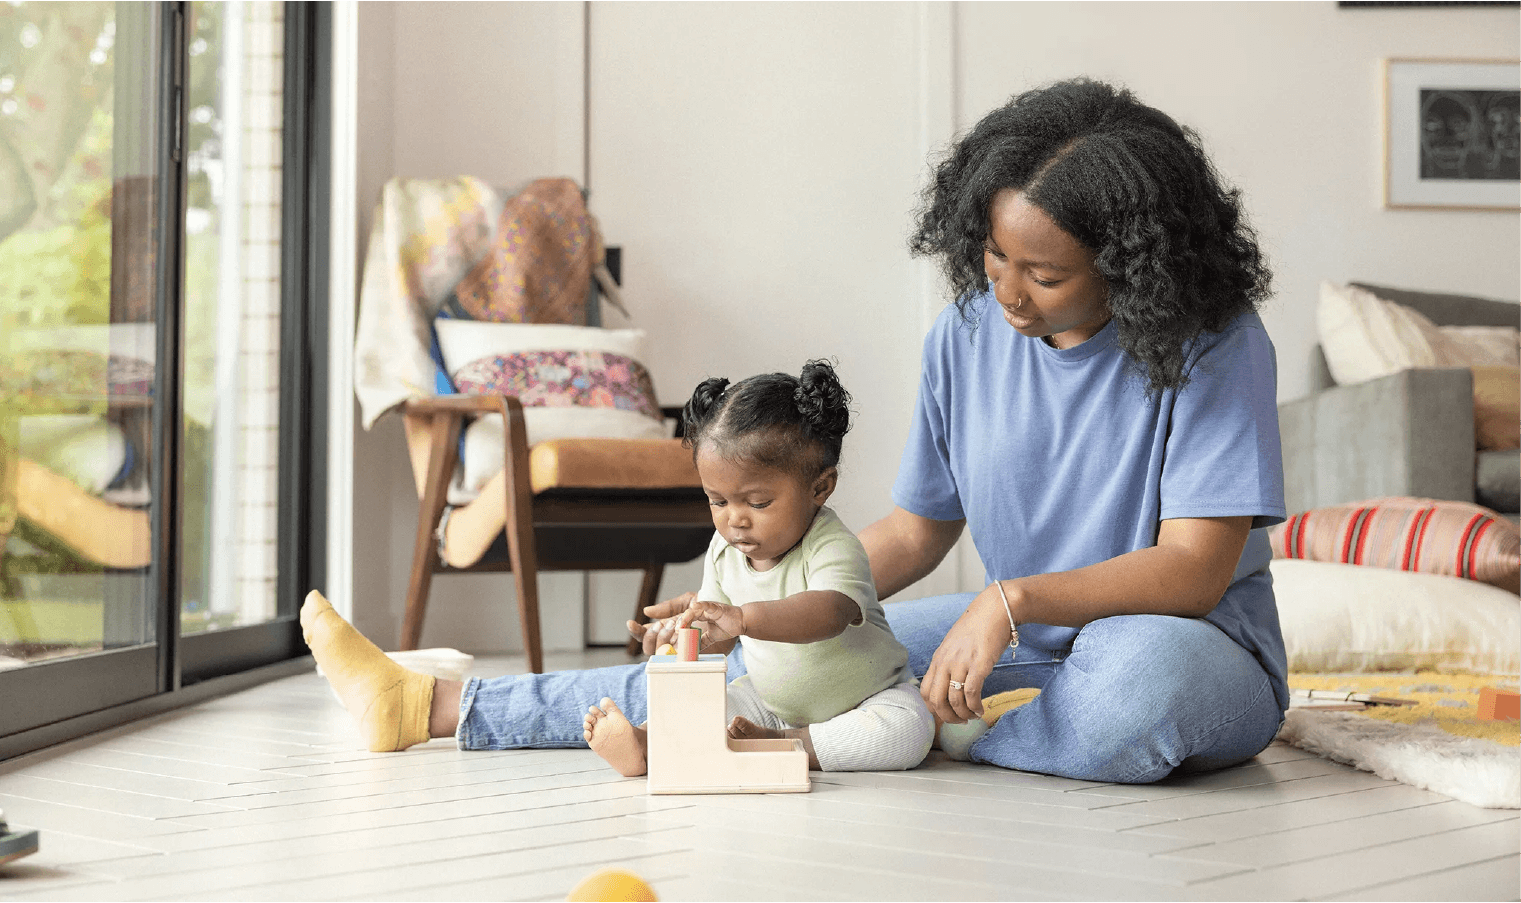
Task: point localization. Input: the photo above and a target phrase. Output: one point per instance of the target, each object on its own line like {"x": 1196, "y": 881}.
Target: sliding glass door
{"x": 156, "y": 175}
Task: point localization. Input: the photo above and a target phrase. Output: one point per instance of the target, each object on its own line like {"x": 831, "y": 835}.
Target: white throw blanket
{"x": 427, "y": 234}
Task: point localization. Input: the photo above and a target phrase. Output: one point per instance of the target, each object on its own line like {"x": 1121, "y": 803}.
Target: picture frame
{"x": 1452, "y": 134}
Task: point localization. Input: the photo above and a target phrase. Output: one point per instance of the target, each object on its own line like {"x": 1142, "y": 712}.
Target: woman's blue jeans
{"x": 1134, "y": 698}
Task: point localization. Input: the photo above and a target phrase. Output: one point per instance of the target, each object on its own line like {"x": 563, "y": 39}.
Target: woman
{"x": 1098, "y": 408}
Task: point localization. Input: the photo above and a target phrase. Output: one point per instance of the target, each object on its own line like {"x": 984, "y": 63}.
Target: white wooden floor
{"x": 264, "y": 795}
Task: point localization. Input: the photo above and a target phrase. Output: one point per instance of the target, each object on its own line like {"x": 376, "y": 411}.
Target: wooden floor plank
{"x": 418, "y": 876}
{"x": 1349, "y": 872}
{"x": 104, "y": 799}
{"x": 474, "y": 794}
{"x": 401, "y": 838}
{"x": 168, "y": 786}
{"x": 911, "y": 839}
{"x": 436, "y": 812}
{"x": 1252, "y": 774}
{"x": 1476, "y": 881}
{"x": 842, "y": 871}
{"x": 346, "y": 869}
{"x": 1259, "y": 821}
{"x": 656, "y": 870}
{"x": 1012, "y": 823}
{"x": 49, "y": 816}
{"x": 1253, "y": 796}
{"x": 1346, "y": 835}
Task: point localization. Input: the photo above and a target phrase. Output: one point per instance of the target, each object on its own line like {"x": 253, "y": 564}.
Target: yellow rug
{"x": 1447, "y": 701}
{"x": 1438, "y": 744}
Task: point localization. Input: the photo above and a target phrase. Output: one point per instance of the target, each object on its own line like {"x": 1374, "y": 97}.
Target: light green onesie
{"x": 808, "y": 683}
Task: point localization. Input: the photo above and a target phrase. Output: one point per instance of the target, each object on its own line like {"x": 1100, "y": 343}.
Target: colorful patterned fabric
{"x": 1433, "y": 537}
{"x": 426, "y": 235}
{"x": 539, "y": 268}
{"x": 590, "y": 379}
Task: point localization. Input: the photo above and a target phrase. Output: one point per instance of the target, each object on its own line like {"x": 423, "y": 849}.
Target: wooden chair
{"x": 571, "y": 504}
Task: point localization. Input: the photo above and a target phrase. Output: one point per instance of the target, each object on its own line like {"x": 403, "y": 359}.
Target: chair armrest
{"x": 1407, "y": 434}
{"x": 433, "y": 425}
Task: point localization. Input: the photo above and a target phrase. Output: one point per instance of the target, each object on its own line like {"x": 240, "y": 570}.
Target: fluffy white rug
{"x": 1479, "y": 772}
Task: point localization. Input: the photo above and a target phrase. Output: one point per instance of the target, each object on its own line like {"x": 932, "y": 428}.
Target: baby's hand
{"x": 661, "y": 628}
{"x": 718, "y": 622}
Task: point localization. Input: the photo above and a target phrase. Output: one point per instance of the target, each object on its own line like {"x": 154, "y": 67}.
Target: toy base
{"x": 747, "y": 788}
{"x": 15, "y": 844}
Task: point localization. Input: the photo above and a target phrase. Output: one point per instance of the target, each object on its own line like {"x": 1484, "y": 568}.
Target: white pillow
{"x": 1347, "y": 617}
{"x": 466, "y": 342}
{"x": 1366, "y": 337}
{"x": 88, "y": 451}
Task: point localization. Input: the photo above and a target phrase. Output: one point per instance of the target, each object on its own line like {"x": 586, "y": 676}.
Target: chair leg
{"x": 649, "y": 588}
{"x": 425, "y": 546}
{"x": 522, "y": 549}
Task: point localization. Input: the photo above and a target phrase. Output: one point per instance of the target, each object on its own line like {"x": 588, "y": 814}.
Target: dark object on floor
{"x": 15, "y": 842}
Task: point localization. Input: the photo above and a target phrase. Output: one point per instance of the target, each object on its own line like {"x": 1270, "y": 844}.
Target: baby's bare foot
{"x": 742, "y": 728}
{"x": 612, "y": 737}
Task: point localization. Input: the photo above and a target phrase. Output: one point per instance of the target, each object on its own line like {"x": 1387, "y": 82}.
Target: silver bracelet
{"x": 1008, "y": 610}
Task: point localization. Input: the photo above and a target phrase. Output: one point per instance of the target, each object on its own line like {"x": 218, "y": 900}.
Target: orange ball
{"x": 612, "y": 885}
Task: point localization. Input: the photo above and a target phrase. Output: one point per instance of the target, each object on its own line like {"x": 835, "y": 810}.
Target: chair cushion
{"x": 611, "y": 464}
{"x": 1455, "y": 539}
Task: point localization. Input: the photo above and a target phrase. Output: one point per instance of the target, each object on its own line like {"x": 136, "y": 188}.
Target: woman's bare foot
{"x": 742, "y": 728}
{"x": 611, "y": 736}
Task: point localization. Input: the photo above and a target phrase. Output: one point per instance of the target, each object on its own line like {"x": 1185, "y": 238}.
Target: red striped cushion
{"x": 1433, "y": 537}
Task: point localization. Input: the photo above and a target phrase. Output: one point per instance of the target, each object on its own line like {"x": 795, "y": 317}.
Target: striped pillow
{"x": 1456, "y": 539}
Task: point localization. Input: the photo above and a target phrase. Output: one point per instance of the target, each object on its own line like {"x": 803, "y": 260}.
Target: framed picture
{"x": 1452, "y": 134}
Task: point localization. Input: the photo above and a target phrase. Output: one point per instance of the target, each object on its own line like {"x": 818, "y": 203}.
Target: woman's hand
{"x": 661, "y": 628}
{"x": 966, "y": 656}
{"x": 721, "y": 623}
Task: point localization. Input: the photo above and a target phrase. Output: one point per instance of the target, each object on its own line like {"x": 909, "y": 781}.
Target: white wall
{"x": 493, "y": 90}
{"x": 758, "y": 163}
{"x": 1288, "y": 98}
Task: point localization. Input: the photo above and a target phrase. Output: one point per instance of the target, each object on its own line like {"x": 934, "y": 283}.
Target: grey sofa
{"x": 1409, "y": 434}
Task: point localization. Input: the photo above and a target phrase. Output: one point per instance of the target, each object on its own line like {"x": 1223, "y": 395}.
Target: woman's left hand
{"x": 966, "y": 657}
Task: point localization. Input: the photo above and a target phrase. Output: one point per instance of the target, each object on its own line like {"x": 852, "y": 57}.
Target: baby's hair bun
{"x": 823, "y": 401}
{"x": 703, "y": 404}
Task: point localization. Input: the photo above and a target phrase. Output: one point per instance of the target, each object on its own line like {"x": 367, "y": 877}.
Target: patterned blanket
{"x": 461, "y": 249}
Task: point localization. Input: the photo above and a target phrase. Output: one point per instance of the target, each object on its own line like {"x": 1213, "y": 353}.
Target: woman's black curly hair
{"x": 790, "y": 423}
{"x": 1131, "y": 185}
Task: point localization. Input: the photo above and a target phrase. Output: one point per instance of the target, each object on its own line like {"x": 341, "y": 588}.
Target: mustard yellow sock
{"x": 389, "y": 703}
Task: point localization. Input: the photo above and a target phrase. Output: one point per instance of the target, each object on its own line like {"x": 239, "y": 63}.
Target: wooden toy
{"x": 688, "y": 642}
{"x": 688, "y": 747}
{"x": 1496, "y": 704}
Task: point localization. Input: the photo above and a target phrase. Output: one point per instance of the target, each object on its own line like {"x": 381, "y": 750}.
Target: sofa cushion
{"x": 1446, "y": 309}
{"x": 1497, "y": 408}
{"x": 1499, "y": 480}
{"x": 1453, "y": 539}
{"x": 1366, "y": 337}
{"x": 1339, "y": 617}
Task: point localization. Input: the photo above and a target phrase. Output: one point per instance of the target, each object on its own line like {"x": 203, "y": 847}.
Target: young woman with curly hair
{"x": 1098, "y": 409}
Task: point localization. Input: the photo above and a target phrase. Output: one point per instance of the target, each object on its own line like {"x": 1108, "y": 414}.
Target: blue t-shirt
{"x": 1058, "y": 460}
